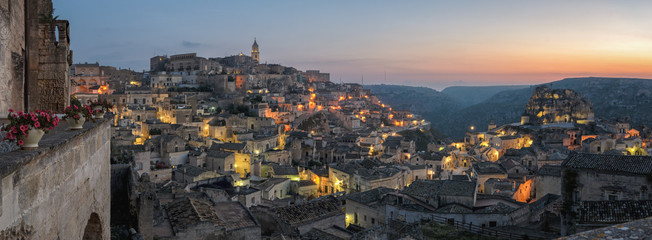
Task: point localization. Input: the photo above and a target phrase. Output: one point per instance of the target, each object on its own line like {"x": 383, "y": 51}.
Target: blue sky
{"x": 419, "y": 43}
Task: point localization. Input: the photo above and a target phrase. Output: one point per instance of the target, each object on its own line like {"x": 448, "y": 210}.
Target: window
{"x": 135, "y": 101}
{"x": 231, "y": 166}
{"x": 365, "y": 218}
{"x": 355, "y": 218}
{"x": 373, "y": 221}
{"x": 492, "y": 224}
{"x": 613, "y": 197}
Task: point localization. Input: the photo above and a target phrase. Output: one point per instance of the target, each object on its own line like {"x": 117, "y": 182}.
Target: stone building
{"x": 88, "y": 78}
{"x": 603, "y": 181}
{"x": 34, "y": 57}
{"x": 296, "y": 220}
{"x": 556, "y": 106}
{"x": 548, "y": 181}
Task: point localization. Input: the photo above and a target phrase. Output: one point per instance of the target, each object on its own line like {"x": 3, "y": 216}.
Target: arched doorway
{"x": 93, "y": 230}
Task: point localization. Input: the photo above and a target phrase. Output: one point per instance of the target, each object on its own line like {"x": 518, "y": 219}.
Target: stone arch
{"x": 93, "y": 229}
{"x": 81, "y": 82}
{"x": 92, "y": 82}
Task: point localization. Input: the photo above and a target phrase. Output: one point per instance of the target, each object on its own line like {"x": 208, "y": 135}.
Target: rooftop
{"x": 235, "y": 215}
{"x": 369, "y": 196}
{"x": 285, "y": 170}
{"x": 313, "y": 210}
{"x": 550, "y": 170}
{"x": 640, "y": 165}
{"x": 190, "y": 211}
{"x": 434, "y": 188}
{"x": 488, "y": 168}
{"x": 611, "y": 212}
{"x": 639, "y": 229}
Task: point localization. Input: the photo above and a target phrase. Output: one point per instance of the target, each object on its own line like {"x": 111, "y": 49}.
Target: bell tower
{"x": 255, "y": 55}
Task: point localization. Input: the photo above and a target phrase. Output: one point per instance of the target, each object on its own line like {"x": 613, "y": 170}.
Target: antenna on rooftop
{"x": 362, "y": 80}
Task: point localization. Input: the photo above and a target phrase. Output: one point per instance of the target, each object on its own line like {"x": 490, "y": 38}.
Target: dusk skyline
{"x": 432, "y": 44}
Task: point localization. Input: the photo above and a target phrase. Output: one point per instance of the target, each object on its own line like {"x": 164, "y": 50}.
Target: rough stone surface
{"x": 55, "y": 189}
{"x": 558, "y": 105}
{"x": 640, "y": 229}
{"x": 12, "y": 44}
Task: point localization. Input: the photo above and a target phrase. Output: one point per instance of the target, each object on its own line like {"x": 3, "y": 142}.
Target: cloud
{"x": 190, "y": 44}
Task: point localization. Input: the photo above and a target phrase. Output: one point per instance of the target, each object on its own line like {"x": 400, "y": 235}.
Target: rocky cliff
{"x": 558, "y": 105}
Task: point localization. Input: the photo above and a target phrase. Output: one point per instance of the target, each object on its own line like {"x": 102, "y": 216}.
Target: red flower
{"x": 20, "y": 113}
{"x": 24, "y": 127}
{"x": 37, "y": 124}
{"x": 11, "y": 110}
{"x": 20, "y": 142}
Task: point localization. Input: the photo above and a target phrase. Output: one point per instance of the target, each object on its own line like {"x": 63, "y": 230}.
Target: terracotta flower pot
{"x": 31, "y": 140}
{"x": 76, "y": 124}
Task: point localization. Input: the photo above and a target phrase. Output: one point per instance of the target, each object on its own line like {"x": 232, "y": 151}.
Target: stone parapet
{"x": 62, "y": 189}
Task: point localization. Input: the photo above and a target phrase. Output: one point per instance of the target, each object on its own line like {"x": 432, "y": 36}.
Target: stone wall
{"x": 61, "y": 190}
{"x": 12, "y": 55}
{"x": 34, "y": 57}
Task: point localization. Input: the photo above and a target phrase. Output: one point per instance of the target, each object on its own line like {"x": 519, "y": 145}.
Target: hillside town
{"x": 233, "y": 147}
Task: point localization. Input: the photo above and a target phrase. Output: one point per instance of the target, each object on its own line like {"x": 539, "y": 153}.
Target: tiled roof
{"x": 313, "y": 210}
{"x": 271, "y": 182}
{"x": 488, "y": 168}
{"x": 234, "y": 215}
{"x": 230, "y": 146}
{"x": 610, "y": 163}
{"x": 285, "y": 170}
{"x": 550, "y": 170}
{"x": 497, "y": 208}
{"x": 613, "y": 211}
{"x": 434, "y": 188}
{"x": 190, "y": 211}
{"x": 219, "y": 153}
{"x": 369, "y": 196}
{"x": 461, "y": 178}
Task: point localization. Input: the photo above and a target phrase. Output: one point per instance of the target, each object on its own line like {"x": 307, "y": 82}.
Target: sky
{"x": 418, "y": 43}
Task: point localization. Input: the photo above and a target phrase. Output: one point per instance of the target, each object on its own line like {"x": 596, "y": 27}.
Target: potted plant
{"x": 76, "y": 115}
{"x": 99, "y": 107}
{"x": 27, "y": 129}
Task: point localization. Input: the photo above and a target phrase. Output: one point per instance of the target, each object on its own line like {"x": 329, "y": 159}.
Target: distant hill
{"x": 469, "y": 95}
{"x": 415, "y": 99}
{"x": 611, "y": 98}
